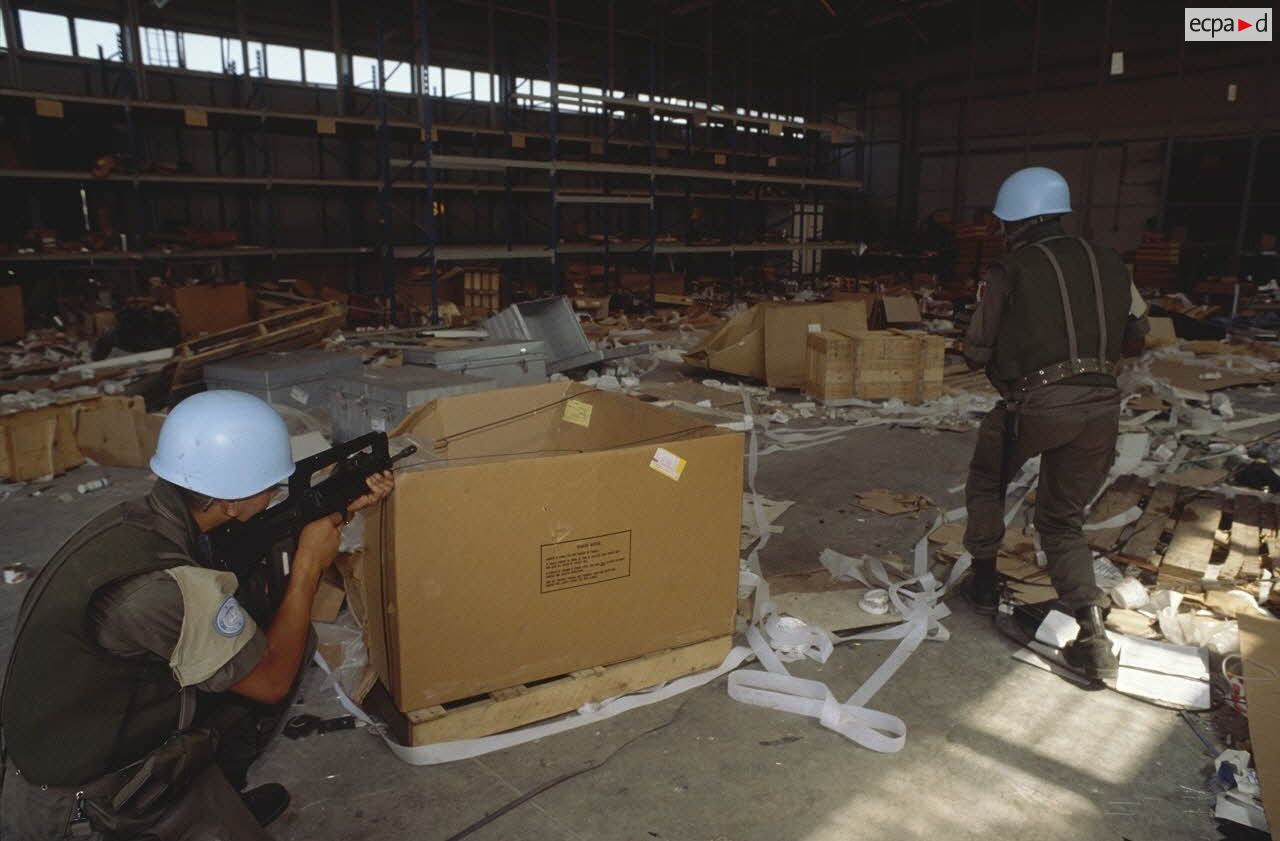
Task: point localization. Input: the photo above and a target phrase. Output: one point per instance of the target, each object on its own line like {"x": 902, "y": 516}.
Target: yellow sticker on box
{"x": 578, "y": 412}
{"x": 668, "y": 464}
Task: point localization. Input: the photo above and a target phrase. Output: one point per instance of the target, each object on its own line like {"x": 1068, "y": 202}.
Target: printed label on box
{"x": 591, "y": 560}
{"x": 668, "y": 464}
{"x": 577, "y": 412}
{"x": 299, "y": 394}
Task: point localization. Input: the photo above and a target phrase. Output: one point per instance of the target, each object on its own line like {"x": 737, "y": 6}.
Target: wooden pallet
{"x": 1143, "y": 548}
{"x": 285, "y": 330}
{"x": 1125, "y": 492}
{"x": 516, "y": 706}
{"x": 1194, "y": 540}
{"x": 1219, "y": 543}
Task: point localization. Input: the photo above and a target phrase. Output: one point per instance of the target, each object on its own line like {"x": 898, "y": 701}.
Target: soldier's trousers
{"x": 1074, "y": 430}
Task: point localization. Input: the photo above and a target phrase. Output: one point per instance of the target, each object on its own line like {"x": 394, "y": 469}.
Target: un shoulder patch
{"x": 229, "y": 620}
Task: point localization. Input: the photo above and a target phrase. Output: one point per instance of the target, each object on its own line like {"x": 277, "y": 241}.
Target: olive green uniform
{"x": 1049, "y": 331}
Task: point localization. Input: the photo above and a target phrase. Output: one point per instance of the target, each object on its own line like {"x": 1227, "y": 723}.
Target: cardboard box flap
{"x": 542, "y": 420}
{"x": 904, "y": 309}
{"x": 736, "y": 348}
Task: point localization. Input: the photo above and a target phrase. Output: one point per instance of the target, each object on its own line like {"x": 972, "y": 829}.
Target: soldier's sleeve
{"x": 188, "y": 617}
{"x": 984, "y": 327}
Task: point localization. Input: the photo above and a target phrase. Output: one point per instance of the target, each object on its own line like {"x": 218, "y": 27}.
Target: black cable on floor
{"x": 547, "y": 786}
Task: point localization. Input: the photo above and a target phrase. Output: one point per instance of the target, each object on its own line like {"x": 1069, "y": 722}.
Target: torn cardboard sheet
{"x": 892, "y": 502}
{"x": 767, "y": 342}
{"x": 836, "y": 611}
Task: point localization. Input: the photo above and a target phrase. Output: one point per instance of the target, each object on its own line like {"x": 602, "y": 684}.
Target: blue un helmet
{"x": 1034, "y": 191}
{"x": 223, "y": 444}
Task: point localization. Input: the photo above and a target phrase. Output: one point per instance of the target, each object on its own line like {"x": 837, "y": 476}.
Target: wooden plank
{"x": 1268, "y": 523}
{"x": 1246, "y": 541}
{"x": 1141, "y": 547}
{"x": 1125, "y": 492}
{"x": 1192, "y": 544}
{"x": 510, "y": 708}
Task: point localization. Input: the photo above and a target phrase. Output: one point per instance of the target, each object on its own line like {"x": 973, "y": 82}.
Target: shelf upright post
{"x": 606, "y": 213}
{"x": 507, "y": 86}
{"x": 427, "y": 116}
{"x": 384, "y": 172}
{"x": 653, "y": 179}
{"x": 553, "y": 126}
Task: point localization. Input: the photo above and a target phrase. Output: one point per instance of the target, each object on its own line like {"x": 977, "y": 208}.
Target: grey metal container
{"x": 506, "y": 363}
{"x": 379, "y": 398}
{"x": 295, "y": 378}
{"x": 553, "y": 321}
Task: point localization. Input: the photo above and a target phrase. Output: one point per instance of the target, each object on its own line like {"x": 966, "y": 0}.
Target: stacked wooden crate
{"x": 828, "y": 362}
{"x": 481, "y": 291}
{"x": 876, "y": 365}
{"x": 1155, "y": 264}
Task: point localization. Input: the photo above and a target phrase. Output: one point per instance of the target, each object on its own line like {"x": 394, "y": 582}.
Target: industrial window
{"x": 284, "y": 63}
{"x": 485, "y": 87}
{"x": 435, "y": 80}
{"x": 399, "y": 76}
{"x": 160, "y": 47}
{"x": 257, "y": 58}
{"x": 364, "y": 72}
{"x": 203, "y": 53}
{"x": 320, "y": 66}
{"x": 95, "y": 35}
{"x": 4, "y": 36}
{"x": 45, "y": 33}
{"x": 457, "y": 83}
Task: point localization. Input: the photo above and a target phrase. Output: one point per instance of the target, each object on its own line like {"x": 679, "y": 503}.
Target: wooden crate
{"x": 481, "y": 290}
{"x": 507, "y": 709}
{"x": 828, "y": 362}
{"x": 902, "y": 364}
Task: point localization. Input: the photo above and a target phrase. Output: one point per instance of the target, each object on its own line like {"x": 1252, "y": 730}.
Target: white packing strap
{"x": 1124, "y": 518}
{"x": 443, "y": 752}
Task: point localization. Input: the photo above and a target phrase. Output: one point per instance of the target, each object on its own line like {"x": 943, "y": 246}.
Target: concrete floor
{"x": 995, "y": 749}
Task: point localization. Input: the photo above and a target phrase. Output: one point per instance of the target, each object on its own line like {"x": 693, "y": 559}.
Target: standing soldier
{"x": 1056, "y": 317}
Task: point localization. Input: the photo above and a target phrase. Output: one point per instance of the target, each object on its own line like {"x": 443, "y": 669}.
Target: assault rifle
{"x": 260, "y": 550}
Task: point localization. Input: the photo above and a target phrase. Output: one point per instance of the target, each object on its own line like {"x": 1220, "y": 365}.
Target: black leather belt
{"x": 1062, "y": 370}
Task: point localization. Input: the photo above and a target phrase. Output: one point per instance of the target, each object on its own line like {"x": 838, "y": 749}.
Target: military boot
{"x": 1090, "y": 652}
{"x": 984, "y": 587}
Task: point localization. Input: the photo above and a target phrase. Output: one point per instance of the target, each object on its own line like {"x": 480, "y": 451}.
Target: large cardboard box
{"x": 208, "y": 309}
{"x": 40, "y": 442}
{"x": 13, "y": 325}
{"x": 1260, "y": 650}
{"x": 118, "y": 432}
{"x": 554, "y": 528}
{"x": 768, "y": 341}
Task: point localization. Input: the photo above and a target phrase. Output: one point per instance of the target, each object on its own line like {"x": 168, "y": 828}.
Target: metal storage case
{"x": 506, "y": 363}
{"x": 553, "y": 321}
{"x": 379, "y": 398}
{"x": 298, "y": 378}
